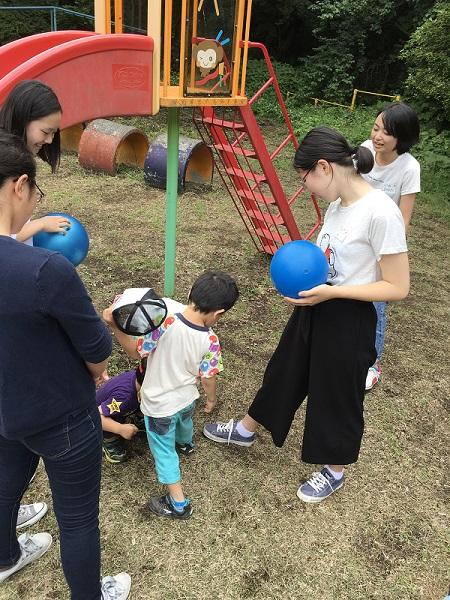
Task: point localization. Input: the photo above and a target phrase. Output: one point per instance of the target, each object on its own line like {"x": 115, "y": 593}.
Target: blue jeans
{"x": 380, "y": 307}
{"x": 162, "y": 434}
{"x": 72, "y": 454}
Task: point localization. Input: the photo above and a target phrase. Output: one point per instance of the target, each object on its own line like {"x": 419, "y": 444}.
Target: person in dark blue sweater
{"x": 53, "y": 346}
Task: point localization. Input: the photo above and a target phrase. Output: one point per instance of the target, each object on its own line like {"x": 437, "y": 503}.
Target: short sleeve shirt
{"x": 117, "y": 397}
{"x": 355, "y": 237}
{"x": 399, "y": 178}
{"x": 179, "y": 353}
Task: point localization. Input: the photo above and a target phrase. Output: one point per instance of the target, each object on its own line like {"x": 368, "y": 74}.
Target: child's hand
{"x": 107, "y": 313}
{"x": 54, "y": 224}
{"x": 128, "y": 431}
{"x": 210, "y": 406}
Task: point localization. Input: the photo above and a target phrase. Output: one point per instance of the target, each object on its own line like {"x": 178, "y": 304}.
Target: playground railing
{"x": 352, "y": 104}
{"x": 273, "y": 81}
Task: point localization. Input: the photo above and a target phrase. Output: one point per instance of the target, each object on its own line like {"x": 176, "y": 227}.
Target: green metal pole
{"x": 173, "y": 136}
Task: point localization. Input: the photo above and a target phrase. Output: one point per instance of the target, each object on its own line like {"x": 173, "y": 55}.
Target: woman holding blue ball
{"x": 33, "y": 112}
{"x": 328, "y": 343}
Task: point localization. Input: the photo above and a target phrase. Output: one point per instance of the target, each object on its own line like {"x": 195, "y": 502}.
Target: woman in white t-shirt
{"x": 397, "y": 173}
{"x": 328, "y": 343}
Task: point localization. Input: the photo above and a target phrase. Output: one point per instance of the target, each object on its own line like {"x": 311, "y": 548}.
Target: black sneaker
{"x": 163, "y": 507}
{"x": 114, "y": 451}
{"x": 185, "y": 449}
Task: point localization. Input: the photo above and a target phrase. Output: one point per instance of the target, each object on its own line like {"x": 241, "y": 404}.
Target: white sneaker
{"x": 32, "y": 547}
{"x": 373, "y": 376}
{"x": 29, "y": 514}
{"x": 117, "y": 587}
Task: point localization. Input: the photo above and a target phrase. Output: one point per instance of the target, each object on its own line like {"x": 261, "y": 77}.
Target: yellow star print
{"x": 114, "y": 406}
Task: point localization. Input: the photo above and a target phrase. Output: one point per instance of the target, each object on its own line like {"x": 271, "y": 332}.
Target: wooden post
{"x": 154, "y": 31}
{"x": 118, "y": 16}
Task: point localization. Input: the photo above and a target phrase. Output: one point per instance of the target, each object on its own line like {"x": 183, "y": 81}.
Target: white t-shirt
{"x": 400, "y": 177}
{"x": 179, "y": 352}
{"x": 355, "y": 237}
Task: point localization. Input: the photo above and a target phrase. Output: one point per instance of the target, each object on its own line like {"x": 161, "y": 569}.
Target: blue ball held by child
{"x": 298, "y": 266}
{"x": 74, "y": 244}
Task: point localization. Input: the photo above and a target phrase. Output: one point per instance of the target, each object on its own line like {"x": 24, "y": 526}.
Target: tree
{"x": 357, "y": 44}
{"x": 428, "y": 62}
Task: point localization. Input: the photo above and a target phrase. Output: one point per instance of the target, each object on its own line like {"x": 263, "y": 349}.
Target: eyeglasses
{"x": 40, "y": 194}
{"x": 308, "y": 172}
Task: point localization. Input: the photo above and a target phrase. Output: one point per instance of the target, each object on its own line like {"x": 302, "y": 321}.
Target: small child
{"x": 117, "y": 399}
{"x": 183, "y": 349}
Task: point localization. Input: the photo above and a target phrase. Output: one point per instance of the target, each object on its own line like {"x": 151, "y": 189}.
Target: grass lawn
{"x": 383, "y": 536}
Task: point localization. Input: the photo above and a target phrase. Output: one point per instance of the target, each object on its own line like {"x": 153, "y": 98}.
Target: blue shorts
{"x": 162, "y": 434}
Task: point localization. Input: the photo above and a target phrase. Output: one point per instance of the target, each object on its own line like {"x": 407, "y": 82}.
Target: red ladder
{"x": 247, "y": 170}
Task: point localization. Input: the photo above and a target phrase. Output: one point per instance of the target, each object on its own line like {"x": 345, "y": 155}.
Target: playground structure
{"x": 194, "y": 57}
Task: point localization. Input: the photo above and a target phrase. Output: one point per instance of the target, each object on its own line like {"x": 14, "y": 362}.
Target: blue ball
{"x": 74, "y": 245}
{"x": 298, "y": 266}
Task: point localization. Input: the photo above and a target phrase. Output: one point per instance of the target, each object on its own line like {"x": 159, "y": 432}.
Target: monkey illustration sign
{"x": 211, "y": 48}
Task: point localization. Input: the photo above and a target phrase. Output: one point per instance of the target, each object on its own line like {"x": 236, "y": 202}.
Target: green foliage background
{"x": 322, "y": 48}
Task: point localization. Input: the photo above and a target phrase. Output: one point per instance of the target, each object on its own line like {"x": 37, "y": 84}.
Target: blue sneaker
{"x": 319, "y": 486}
{"x": 225, "y": 433}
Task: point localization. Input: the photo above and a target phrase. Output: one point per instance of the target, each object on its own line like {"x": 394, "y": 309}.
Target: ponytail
{"x": 362, "y": 159}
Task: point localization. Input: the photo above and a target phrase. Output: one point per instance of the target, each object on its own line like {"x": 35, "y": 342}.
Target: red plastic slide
{"x": 93, "y": 75}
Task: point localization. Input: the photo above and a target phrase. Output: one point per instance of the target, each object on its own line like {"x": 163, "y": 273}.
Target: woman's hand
{"x": 317, "y": 294}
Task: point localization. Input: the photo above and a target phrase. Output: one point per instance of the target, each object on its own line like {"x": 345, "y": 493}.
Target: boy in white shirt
{"x": 183, "y": 349}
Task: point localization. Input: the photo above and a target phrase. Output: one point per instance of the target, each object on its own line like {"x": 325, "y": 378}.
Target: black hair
{"x": 28, "y": 101}
{"x": 401, "y": 121}
{"x": 15, "y": 159}
{"x": 213, "y": 290}
{"x": 330, "y": 145}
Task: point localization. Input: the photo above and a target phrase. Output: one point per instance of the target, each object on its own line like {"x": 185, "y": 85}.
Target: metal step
{"x": 235, "y": 150}
{"x": 252, "y": 195}
{"x": 258, "y": 177}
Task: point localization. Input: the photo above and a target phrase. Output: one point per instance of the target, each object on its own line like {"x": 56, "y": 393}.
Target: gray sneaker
{"x": 319, "y": 486}
{"x": 32, "y": 547}
{"x": 225, "y": 433}
{"x": 29, "y": 514}
{"x": 116, "y": 587}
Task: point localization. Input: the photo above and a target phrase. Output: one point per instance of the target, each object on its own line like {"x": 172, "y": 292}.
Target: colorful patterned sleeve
{"x": 146, "y": 344}
{"x": 212, "y": 360}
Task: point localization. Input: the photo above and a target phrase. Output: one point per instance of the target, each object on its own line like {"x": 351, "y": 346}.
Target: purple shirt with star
{"x": 117, "y": 398}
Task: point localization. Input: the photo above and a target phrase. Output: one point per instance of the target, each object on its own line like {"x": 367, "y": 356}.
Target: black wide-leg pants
{"x": 324, "y": 353}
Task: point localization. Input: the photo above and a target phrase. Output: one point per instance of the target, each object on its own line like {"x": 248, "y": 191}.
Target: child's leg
{"x": 161, "y": 440}
{"x": 161, "y": 432}
{"x": 184, "y": 433}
